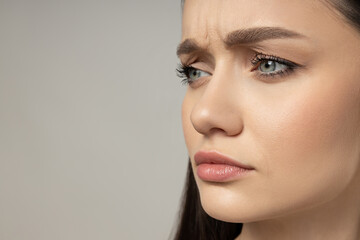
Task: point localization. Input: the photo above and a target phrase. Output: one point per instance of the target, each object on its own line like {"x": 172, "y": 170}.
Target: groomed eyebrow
{"x": 242, "y": 36}
{"x": 254, "y": 35}
{"x": 188, "y": 46}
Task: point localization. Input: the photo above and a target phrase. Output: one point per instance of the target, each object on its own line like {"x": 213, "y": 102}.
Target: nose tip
{"x": 208, "y": 118}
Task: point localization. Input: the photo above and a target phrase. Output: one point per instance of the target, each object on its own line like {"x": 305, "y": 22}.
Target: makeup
{"x": 215, "y": 167}
{"x": 277, "y": 90}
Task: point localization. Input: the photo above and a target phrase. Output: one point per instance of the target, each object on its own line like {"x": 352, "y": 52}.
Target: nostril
{"x": 214, "y": 131}
{"x": 227, "y": 131}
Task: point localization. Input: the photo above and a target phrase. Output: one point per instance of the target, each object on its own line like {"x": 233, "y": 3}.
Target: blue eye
{"x": 271, "y": 66}
{"x": 194, "y": 74}
{"x": 190, "y": 74}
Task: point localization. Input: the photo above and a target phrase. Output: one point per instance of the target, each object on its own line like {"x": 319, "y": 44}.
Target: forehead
{"x": 207, "y": 20}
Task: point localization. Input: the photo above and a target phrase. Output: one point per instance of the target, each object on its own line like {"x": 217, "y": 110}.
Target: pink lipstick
{"x": 215, "y": 167}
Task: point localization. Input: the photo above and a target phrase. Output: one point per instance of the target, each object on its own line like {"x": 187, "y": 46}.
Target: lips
{"x": 215, "y": 167}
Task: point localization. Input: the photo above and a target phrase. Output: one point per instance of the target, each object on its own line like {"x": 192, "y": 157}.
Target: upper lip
{"x": 215, "y": 157}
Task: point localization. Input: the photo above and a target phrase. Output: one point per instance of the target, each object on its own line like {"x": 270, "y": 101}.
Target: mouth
{"x": 214, "y": 166}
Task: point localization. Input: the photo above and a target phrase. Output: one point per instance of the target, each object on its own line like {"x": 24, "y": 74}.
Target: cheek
{"x": 310, "y": 140}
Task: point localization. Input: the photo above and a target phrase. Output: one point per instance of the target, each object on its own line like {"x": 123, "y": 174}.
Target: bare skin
{"x": 297, "y": 122}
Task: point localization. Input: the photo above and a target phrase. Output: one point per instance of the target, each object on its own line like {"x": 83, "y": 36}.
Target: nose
{"x": 218, "y": 108}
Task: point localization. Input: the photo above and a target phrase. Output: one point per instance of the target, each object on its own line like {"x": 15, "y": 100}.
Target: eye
{"x": 196, "y": 73}
{"x": 268, "y": 66}
{"x": 190, "y": 74}
{"x": 272, "y": 66}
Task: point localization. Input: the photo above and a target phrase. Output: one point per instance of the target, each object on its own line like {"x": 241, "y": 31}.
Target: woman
{"x": 271, "y": 119}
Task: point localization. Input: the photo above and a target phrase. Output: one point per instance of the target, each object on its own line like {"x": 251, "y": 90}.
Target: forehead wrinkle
{"x": 201, "y": 41}
{"x": 205, "y": 30}
{"x": 209, "y": 25}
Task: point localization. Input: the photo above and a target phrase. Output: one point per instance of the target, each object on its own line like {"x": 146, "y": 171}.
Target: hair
{"x": 348, "y": 9}
{"x": 194, "y": 223}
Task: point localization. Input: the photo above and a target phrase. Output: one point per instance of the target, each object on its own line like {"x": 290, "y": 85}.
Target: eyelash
{"x": 184, "y": 70}
{"x": 260, "y": 57}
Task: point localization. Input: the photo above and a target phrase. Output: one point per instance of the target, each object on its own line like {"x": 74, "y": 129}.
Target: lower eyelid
{"x": 198, "y": 82}
{"x": 274, "y": 75}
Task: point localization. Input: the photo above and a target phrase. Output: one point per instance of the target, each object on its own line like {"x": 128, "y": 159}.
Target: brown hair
{"x": 348, "y": 9}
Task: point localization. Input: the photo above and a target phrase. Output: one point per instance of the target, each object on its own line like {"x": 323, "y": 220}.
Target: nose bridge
{"x": 218, "y": 107}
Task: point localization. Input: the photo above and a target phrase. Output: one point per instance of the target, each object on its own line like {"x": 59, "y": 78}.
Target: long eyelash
{"x": 260, "y": 57}
{"x": 183, "y": 73}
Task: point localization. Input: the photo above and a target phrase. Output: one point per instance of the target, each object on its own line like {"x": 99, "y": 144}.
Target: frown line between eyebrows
{"x": 242, "y": 37}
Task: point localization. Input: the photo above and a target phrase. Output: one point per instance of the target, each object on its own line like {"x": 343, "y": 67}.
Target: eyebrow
{"x": 188, "y": 46}
{"x": 242, "y": 36}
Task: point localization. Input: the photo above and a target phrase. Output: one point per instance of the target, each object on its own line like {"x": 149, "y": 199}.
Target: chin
{"x": 224, "y": 204}
{"x": 228, "y": 207}
{"x": 227, "y": 212}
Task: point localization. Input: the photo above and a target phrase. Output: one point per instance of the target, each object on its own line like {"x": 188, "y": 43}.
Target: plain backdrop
{"x": 91, "y": 144}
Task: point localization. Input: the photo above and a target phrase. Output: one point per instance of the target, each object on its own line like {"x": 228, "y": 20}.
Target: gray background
{"x": 91, "y": 143}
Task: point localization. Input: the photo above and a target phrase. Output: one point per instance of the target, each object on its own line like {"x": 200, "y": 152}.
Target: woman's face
{"x": 285, "y": 101}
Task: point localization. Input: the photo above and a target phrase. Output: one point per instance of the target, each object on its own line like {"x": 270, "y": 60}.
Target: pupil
{"x": 268, "y": 66}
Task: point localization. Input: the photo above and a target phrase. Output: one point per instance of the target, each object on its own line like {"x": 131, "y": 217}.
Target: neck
{"x": 338, "y": 219}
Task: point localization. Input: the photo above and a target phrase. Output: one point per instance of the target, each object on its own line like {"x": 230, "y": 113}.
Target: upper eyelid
{"x": 202, "y": 66}
{"x": 261, "y": 56}
{"x": 184, "y": 69}
{"x": 201, "y": 70}
{"x": 254, "y": 59}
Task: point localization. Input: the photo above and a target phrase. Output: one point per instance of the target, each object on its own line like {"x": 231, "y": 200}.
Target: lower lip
{"x": 220, "y": 172}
